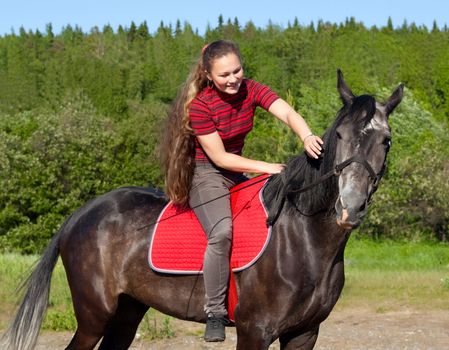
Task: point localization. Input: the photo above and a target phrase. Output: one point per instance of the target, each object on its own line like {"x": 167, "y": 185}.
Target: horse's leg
{"x": 92, "y": 317}
{"x": 123, "y": 326}
{"x": 94, "y": 307}
{"x": 82, "y": 340}
{"x": 252, "y": 338}
{"x": 299, "y": 341}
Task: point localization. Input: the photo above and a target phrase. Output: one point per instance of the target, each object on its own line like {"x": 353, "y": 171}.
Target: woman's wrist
{"x": 307, "y": 136}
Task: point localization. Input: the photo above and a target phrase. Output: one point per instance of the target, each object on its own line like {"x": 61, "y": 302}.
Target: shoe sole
{"x": 214, "y": 340}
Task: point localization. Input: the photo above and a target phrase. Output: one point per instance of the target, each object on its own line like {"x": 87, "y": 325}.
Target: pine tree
{"x": 132, "y": 32}
{"x": 142, "y": 32}
{"x": 178, "y": 29}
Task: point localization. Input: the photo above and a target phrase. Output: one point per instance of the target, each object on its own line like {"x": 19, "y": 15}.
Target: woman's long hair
{"x": 178, "y": 141}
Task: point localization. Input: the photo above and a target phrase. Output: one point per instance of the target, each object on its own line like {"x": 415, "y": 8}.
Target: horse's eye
{"x": 339, "y": 135}
{"x": 387, "y": 142}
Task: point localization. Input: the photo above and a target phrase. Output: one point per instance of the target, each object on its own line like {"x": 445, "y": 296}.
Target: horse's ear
{"x": 346, "y": 94}
{"x": 395, "y": 99}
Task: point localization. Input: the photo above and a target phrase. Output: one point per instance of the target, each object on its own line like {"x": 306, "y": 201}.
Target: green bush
{"x": 52, "y": 163}
{"x": 411, "y": 202}
{"x": 80, "y": 113}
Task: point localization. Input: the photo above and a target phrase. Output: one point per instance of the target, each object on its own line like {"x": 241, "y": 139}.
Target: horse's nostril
{"x": 363, "y": 206}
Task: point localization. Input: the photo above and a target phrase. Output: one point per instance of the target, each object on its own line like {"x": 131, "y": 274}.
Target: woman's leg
{"x": 215, "y": 217}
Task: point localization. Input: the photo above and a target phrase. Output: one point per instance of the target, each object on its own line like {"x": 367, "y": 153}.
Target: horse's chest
{"x": 317, "y": 305}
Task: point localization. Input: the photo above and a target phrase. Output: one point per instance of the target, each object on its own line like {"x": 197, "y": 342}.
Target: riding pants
{"x": 210, "y": 200}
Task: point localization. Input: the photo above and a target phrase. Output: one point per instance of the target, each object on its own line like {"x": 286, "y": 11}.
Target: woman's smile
{"x": 227, "y": 73}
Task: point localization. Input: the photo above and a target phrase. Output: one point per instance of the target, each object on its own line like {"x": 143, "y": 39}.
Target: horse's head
{"x": 363, "y": 138}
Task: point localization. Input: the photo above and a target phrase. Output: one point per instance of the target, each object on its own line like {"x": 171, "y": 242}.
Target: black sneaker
{"x": 215, "y": 328}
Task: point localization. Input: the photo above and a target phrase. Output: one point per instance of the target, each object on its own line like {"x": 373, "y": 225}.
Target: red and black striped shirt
{"x": 230, "y": 115}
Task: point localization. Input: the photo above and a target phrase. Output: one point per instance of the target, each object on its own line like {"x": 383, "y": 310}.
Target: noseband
{"x": 375, "y": 178}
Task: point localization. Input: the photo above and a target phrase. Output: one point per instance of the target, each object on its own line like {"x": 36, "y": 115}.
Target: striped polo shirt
{"x": 231, "y": 115}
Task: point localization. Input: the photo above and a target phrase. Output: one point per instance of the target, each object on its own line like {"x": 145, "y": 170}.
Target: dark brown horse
{"x": 290, "y": 290}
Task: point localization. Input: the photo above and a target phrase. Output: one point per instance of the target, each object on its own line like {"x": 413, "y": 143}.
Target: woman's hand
{"x": 274, "y": 168}
{"x": 312, "y": 146}
{"x": 284, "y": 112}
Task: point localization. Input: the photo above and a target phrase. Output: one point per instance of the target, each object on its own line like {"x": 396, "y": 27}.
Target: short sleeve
{"x": 263, "y": 95}
{"x": 200, "y": 119}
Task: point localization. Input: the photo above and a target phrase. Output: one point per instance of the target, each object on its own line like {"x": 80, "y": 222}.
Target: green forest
{"x": 81, "y": 113}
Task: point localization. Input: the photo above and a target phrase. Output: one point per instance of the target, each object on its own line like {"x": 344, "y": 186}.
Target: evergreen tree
{"x": 132, "y": 32}
{"x": 220, "y": 22}
{"x": 126, "y": 78}
{"x": 49, "y": 31}
{"x": 178, "y": 29}
{"x": 389, "y": 27}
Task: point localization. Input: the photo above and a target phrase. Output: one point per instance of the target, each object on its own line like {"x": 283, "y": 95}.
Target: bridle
{"x": 336, "y": 171}
{"x": 375, "y": 178}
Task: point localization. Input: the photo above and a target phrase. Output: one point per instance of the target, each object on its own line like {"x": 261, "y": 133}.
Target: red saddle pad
{"x": 179, "y": 242}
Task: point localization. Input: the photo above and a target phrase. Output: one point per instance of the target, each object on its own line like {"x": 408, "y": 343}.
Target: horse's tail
{"x": 24, "y": 329}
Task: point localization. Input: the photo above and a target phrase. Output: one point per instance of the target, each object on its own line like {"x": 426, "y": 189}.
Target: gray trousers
{"x": 215, "y": 217}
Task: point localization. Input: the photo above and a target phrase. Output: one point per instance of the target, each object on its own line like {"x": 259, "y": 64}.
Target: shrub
{"x": 53, "y": 162}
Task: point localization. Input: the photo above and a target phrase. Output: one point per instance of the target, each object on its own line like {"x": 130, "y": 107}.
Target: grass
{"x": 396, "y": 256}
{"x": 14, "y": 269}
{"x": 389, "y": 275}
{"x": 382, "y": 276}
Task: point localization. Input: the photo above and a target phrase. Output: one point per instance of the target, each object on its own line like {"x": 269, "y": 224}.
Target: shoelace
{"x": 215, "y": 323}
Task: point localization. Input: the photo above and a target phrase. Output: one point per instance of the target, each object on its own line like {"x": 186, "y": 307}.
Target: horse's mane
{"x": 303, "y": 170}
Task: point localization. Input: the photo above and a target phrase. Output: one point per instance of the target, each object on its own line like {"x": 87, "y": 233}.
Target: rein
{"x": 335, "y": 172}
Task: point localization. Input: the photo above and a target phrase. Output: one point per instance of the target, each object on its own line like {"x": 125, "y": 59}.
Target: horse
{"x": 313, "y": 205}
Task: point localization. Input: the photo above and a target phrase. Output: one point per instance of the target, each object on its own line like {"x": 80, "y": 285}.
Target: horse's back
{"x": 121, "y": 205}
{"x": 97, "y": 239}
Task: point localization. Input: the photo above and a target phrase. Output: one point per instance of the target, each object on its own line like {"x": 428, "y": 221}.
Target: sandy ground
{"x": 344, "y": 330}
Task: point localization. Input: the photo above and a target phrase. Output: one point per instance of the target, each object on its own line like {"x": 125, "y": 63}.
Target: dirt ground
{"x": 344, "y": 330}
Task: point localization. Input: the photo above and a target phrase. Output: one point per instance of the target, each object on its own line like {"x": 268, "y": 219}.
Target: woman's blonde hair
{"x": 178, "y": 142}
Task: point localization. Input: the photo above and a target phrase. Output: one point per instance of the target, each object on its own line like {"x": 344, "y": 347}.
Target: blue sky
{"x": 35, "y": 14}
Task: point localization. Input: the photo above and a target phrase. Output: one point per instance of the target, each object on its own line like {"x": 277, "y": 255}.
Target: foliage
{"x": 80, "y": 113}
{"x": 60, "y": 160}
{"x": 412, "y": 199}
{"x": 154, "y": 326}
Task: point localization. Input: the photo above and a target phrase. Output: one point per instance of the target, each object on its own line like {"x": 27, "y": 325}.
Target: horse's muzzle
{"x": 350, "y": 216}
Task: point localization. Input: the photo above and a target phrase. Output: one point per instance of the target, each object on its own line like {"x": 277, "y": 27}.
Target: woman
{"x": 202, "y": 156}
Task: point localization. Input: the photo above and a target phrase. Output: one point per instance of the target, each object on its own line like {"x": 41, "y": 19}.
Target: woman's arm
{"x": 284, "y": 112}
{"x": 214, "y": 148}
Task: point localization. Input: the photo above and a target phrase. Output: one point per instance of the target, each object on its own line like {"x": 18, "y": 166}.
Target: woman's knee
{"x": 221, "y": 232}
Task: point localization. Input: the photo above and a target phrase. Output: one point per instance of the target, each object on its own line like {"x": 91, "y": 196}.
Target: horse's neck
{"x": 318, "y": 236}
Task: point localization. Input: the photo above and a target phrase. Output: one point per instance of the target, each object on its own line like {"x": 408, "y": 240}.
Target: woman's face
{"x": 227, "y": 73}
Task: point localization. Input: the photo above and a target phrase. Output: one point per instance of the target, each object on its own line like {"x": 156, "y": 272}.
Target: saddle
{"x": 179, "y": 242}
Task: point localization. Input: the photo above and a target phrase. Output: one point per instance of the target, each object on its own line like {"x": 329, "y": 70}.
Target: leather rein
{"x": 375, "y": 178}
{"x": 335, "y": 172}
